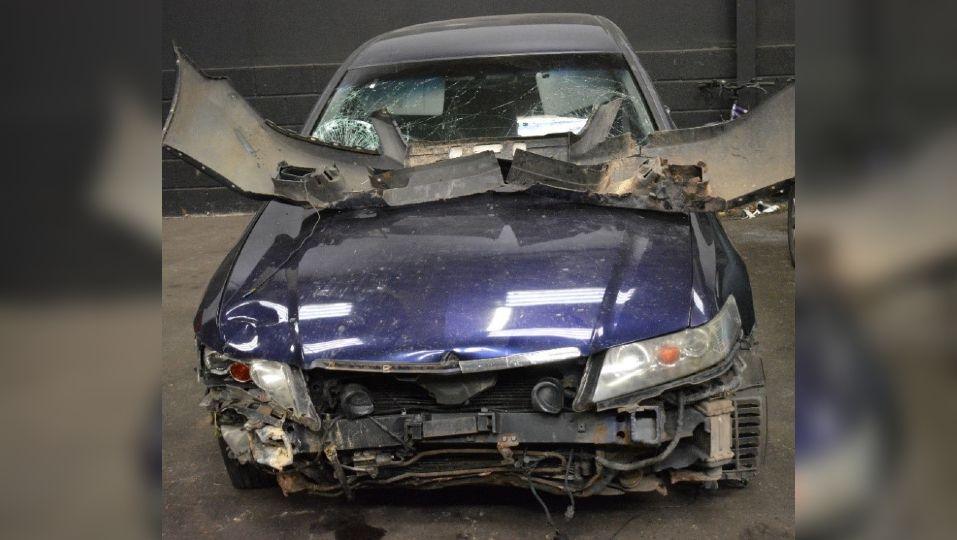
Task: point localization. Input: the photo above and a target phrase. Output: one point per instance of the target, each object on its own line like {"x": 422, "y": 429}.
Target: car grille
{"x": 512, "y": 392}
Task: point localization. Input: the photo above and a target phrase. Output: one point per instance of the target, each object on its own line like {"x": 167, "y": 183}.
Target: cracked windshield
{"x": 483, "y": 98}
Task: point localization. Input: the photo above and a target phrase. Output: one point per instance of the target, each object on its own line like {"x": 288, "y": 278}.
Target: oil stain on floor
{"x": 347, "y": 527}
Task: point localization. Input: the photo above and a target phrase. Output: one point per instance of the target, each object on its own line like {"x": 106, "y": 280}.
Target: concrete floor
{"x": 199, "y": 502}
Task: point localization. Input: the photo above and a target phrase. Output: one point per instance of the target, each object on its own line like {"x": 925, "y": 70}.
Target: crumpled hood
{"x": 481, "y": 277}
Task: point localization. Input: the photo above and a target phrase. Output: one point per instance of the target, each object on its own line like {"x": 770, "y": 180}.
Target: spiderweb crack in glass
{"x": 493, "y": 98}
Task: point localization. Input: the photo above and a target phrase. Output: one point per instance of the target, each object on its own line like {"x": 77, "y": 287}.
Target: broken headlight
{"x": 283, "y": 383}
{"x": 215, "y": 362}
{"x": 643, "y": 364}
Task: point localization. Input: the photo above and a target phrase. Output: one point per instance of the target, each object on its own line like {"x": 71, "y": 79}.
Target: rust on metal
{"x": 700, "y": 169}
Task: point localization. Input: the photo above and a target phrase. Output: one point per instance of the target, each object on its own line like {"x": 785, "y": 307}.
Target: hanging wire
{"x": 570, "y": 510}
{"x": 548, "y": 515}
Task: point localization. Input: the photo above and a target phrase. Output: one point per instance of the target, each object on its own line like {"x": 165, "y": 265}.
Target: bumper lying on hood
{"x": 700, "y": 169}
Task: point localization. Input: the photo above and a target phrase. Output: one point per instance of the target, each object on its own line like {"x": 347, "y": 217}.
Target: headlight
{"x": 643, "y": 364}
{"x": 284, "y": 384}
{"x": 215, "y": 362}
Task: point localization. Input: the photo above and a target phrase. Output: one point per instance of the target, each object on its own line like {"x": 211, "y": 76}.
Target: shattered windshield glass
{"x": 483, "y": 98}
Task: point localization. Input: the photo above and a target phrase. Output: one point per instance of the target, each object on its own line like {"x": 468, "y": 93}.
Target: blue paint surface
{"x": 481, "y": 276}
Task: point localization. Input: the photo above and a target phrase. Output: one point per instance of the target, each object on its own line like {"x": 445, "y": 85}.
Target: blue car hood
{"x": 481, "y": 277}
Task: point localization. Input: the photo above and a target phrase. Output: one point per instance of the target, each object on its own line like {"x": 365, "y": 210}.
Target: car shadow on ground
{"x": 347, "y": 519}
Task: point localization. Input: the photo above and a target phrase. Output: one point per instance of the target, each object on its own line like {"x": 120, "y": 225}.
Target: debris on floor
{"x": 755, "y": 209}
{"x": 761, "y": 208}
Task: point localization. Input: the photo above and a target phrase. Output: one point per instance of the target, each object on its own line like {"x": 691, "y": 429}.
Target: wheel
{"x": 244, "y": 476}
{"x": 791, "y": 226}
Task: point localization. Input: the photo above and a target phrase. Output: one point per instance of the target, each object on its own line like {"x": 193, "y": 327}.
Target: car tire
{"x": 244, "y": 476}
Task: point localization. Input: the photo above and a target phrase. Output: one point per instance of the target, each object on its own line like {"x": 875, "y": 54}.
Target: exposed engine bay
{"x": 516, "y": 426}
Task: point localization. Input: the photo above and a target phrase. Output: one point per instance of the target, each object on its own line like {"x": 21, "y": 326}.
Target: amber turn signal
{"x": 239, "y": 371}
{"x": 668, "y": 355}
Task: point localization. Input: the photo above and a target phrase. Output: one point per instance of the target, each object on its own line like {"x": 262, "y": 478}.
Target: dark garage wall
{"x": 280, "y": 55}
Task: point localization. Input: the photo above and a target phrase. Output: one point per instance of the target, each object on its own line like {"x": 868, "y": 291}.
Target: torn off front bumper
{"x": 697, "y": 429}
{"x": 701, "y": 169}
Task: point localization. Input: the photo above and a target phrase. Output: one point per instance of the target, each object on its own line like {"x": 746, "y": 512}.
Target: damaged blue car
{"x": 488, "y": 257}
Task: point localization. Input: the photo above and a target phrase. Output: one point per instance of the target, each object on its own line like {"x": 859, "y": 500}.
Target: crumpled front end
{"x": 702, "y": 169}
{"x": 521, "y": 426}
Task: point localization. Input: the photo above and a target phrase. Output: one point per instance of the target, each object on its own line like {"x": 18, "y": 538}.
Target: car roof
{"x": 497, "y": 35}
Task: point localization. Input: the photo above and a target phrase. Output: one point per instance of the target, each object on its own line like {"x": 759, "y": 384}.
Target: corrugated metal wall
{"x": 280, "y": 55}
